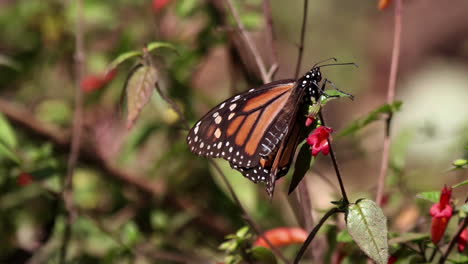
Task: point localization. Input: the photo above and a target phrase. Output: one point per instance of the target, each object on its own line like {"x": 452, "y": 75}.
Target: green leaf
{"x": 368, "y": 226}
{"x": 344, "y": 237}
{"x": 157, "y": 45}
{"x": 463, "y": 183}
{"x": 7, "y": 62}
{"x": 460, "y": 164}
{"x": 433, "y": 197}
{"x": 408, "y": 237}
{"x": 130, "y": 233}
{"x": 186, "y": 8}
{"x": 7, "y": 135}
{"x": 139, "y": 88}
{"x": 241, "y": 233}
{"x": 371, "y": 117}
{"x": 122, "y": 58}
{"x": 264, "y": 255}
{"x": 301, "y": 167}
{"x": 6, "y": 152}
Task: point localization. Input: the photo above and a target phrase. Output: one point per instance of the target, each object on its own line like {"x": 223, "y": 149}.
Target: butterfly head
{"x": 310, "y": 81}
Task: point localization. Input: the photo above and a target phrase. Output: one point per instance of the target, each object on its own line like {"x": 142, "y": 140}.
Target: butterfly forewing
{"x": 235, "y": 129}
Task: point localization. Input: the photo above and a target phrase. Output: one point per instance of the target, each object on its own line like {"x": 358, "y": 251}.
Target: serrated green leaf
{"x": 122, "y": 58}
{"x": 139, "y": 88}
{"x": 264, "y": 255}
{"x": 6, "y": 152}
{"x": 7, "y": 135}
{"x": 408, "y": 237}
{"x": 301, "y": 167}
{"x": 367, "y": 225}
{"x": 344, "y": 237}
{"x": 371, "y": 117}
{"x": 463, "y": 183}
{"x": 433, "y": 197}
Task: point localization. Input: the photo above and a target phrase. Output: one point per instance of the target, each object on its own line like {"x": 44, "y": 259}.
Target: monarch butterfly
{"x": 258, "y": 131}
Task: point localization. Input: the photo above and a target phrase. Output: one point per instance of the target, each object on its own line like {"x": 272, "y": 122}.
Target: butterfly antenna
{"x": 322, "y": 61}
{"x": 338, "y": 64}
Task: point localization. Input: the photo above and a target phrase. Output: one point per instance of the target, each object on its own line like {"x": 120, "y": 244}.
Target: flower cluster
{"x": 318, "y": 140}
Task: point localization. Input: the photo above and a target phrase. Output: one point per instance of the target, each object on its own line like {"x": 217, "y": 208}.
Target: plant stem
{"x": 335, "y": 165}
{"x": 463, "y": 225}
{"x": 314, "y": 232}
{"x": 301, "y": 43}
{"x": 390, "y": 98}
{"x": 258, "y": 59}
{"x": 67, "y": 191}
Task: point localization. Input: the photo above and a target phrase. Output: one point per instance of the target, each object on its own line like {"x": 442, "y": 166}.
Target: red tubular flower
{"x": 282, "y": 236}
{"x": 441, "y": 213}
{"x": 462, "y": 240}
{"x": 95, "y": 82}
{"x": 318, "y": 140}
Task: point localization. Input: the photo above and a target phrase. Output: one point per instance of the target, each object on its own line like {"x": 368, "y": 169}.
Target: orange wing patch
{"x": 265, "y": 97}
{"x": 246, "y": 127}
{"x": 270, "y": 111}
{"x": 235, "y": 125}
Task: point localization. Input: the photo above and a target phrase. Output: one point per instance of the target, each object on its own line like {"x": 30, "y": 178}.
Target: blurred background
{"x": 141, "y": 196}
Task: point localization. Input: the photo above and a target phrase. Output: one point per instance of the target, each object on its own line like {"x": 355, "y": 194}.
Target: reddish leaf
{"x": 139, "y": 88}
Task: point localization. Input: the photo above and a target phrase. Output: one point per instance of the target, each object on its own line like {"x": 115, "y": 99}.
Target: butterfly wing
{"x": 236, "y": 128}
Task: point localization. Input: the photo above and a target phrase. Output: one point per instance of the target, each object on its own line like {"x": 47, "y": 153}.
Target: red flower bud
{"x": 24, "y": 179}
{"x": 462, "y": 240}
{"x": 318, "y": 140}
{"x": 441, "y": 213}
{"x": 95, "y": 82}
{"x": 309, "y": 121}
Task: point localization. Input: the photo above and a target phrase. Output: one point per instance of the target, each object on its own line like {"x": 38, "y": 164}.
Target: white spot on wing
{"x": 232, "y": 107}
{"x": 218, "y": 119}
{"x": 217, "y": 133}
{"x": 231, "y": 115}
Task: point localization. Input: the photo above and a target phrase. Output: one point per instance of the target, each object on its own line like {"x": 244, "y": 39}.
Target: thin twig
{"x": 463, "y": 225}
{"x": 250, "y": 44}
{"x": 246, "y": 215}
{"x": 390, "y": 99}
{"x": 313, "y": 233}
{"x": 335, "y": 164}
{"x": 271, "y": 40}
{"x": 301, "y": 43}
{"x": 77, "y": 131}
